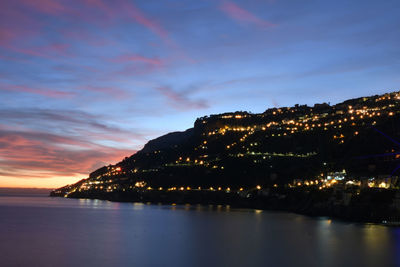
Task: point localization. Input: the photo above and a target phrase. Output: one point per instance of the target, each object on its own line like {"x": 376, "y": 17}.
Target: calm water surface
{"x": 44, "y": 231}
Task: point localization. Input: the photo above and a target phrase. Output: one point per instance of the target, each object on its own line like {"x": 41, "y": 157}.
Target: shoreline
{"x": 303, "y": 204}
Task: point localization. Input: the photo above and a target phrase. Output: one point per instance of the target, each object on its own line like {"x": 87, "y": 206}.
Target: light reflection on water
{"x": 45, "y": 231}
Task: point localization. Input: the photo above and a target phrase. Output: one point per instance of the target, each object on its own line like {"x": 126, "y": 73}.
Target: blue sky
{"x": 86, "y": 83}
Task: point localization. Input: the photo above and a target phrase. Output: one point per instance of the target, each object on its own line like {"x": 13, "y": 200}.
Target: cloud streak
{"x": 80, "y": 125}
{"x": 138, "y": 58}
{"x": 78, "y": 145}
{"x": 53, "y": 154}
{"x": 241, "y": 15}
{"x": 140, "y": 17}
{"x": 180, "y": 100}
{"x": 37, "y": 91}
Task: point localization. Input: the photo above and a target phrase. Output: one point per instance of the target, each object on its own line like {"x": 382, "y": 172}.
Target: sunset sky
{"x": 84, "y": 83}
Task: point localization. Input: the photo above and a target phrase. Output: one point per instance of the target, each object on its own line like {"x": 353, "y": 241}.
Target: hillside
{"x": 241, "y": 149}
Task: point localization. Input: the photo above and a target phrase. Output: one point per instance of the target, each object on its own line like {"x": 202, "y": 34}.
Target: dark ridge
{"x": 339, "y": 159}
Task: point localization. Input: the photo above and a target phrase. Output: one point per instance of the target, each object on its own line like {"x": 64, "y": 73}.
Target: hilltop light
{"x": 258, "y": 187}
{"x": 383, "y": 185}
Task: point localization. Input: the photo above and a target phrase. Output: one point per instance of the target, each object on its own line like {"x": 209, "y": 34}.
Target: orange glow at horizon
{"x": 26, "y": 163}
{"x": 55, "y": 181}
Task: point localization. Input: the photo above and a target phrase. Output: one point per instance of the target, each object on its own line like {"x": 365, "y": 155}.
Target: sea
{"x": 38, "y": 230}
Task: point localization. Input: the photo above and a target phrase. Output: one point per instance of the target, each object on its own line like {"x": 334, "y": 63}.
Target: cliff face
{"x": 242, "y": 149}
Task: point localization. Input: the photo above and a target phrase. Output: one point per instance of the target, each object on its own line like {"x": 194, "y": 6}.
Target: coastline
{"x": 312, "y": 203}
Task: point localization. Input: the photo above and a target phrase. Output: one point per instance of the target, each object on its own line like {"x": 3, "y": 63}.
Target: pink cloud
{"x": 132, "y": 68}
{"x": 21, "y": 20}
{"x": 180, "y": 100}
{"x": 89, "y": 37}
{"x": 28, "y": 151}
{"x": 46, "y": 6}
{"x": 39, "y": 91}
{"x": 16, "y": 24}
{"x": 85, "y": 127}
{"x": 100, "y": 5}
{"x": 138, "y": 58}
{"x": 49, "y": 51}
{"x": 154, "y": 26}
{"x": 114, "y": 92}
{"x": 142, "y": 19}
{"x": 243, "y": 16}
{"x": 9, "y": 58}
{"x": 45, "y": 155}
{"x": 6, "y": 35}
{"x": 151, "y": 24}
{"x": 24, "y": 27}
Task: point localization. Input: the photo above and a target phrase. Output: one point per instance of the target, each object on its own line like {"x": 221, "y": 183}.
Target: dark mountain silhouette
{"x": 339, "y": 160}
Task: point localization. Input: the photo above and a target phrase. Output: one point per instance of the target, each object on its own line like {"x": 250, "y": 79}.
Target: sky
{"x": 84, "y": 83}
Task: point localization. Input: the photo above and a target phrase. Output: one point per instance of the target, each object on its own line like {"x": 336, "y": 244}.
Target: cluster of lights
{"x": 310, "y": 122}
{"x": 335, "y": 118}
